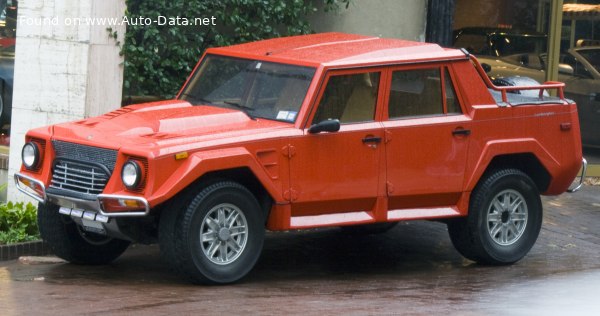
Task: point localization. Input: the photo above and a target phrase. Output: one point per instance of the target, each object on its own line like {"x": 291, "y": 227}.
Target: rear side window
{"x": 451, "y": 101}
{"x": 420, "y": 92}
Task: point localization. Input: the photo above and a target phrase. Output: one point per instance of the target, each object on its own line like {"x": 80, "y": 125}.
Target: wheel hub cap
{"x": 223, "y": 233}
{"x": 507, "y": 217}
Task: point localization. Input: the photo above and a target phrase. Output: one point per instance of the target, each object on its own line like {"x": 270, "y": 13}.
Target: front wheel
{"x": 219, "y": 236}
{"x": 70, "y": 242}
{"x": 504, "y": 221}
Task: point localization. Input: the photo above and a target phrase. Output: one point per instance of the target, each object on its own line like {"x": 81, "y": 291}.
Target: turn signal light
{"x": 121, "y": 205}
{"x": 181, "y": 155}
{"x": 31, "y": 188}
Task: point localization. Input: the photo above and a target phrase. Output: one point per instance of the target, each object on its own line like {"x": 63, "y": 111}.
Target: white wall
{"x": 405, "y": 19}
{"x": 62, "y": 72}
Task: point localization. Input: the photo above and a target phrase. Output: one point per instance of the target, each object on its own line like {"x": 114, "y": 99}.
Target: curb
{"x": 593, "y": 170}
{"x": 31, "y": 248}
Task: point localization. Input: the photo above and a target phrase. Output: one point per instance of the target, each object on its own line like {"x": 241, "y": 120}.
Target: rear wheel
{"x": 70, "y": 242}
{"x": 504, "y": 221}
{"x": 219, "y": 236}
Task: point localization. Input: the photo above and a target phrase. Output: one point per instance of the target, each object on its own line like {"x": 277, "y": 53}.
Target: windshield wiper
{"x": 243, "y": 108}
{"x": 196, "y": 99}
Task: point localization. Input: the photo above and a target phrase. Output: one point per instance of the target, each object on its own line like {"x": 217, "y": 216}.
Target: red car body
{"x": 385, "y": 169}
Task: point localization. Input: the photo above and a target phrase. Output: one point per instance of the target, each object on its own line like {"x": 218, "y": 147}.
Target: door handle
{"x": 461, "y": 131}
{"x": 371, "y": 139}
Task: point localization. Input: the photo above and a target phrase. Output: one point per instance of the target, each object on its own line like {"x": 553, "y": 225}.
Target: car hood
{"x": 163, "y": 124}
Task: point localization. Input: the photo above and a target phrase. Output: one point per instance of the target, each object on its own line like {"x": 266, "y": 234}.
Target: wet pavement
{"x": 412, "y": 269}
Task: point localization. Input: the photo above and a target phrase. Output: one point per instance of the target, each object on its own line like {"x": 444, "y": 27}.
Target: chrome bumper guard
{"x": 582, "y": 177}
{"x": 75, "y": 204}
{"x": 28, "y": 190}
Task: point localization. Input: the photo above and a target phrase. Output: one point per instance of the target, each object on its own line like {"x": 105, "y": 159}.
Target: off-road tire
{"x": 166, "y": 232}
{"x": 169, "y": 214}
{"x": 70, "y": 243}
{"x": 188, "y": 253}
{"x": 472, "y": 235}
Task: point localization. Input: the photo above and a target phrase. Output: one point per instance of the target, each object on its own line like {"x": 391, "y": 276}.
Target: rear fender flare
{"x": 508, "y": 147}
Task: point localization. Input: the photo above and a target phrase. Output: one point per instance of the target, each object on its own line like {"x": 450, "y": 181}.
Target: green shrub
{"x": 18, "y": 222}
{"x": 158, "y": 58}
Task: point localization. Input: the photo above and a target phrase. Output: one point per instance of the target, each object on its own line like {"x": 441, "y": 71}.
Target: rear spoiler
{"x": 548, "y": 85}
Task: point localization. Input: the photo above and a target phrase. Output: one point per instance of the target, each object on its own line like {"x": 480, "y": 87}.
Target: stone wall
{"x": 65, "y": 69}
{"x": 404, "y": 19}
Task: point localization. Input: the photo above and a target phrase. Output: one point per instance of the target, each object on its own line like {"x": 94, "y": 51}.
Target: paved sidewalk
{"x": 412, "y": 269}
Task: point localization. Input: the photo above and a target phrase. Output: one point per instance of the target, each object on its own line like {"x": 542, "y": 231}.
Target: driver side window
{"x": 349, "y": 98}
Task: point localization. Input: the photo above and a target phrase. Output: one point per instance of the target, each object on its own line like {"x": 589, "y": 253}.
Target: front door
{"x": 339, "y": 172}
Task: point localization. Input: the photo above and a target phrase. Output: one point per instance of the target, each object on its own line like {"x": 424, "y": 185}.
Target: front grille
{"x": 77, "y": 152}
{"x": 82, "y": 169}
{"x": 79, "y": 177}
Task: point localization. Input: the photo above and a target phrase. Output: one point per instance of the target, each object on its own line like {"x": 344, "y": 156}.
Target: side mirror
{"x": 486, "y": 67}
{"x": 325, "y": 126}
{"x": 565, "y": 69}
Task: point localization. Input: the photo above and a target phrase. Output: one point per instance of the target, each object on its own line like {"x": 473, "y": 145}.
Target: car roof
{"x": 339, "y": 49}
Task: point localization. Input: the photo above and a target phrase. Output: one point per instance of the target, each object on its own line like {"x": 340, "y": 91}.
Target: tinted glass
{"x": 451, "y": 101}
{"x": 592, "y": 56}
{"x": 349, "y": 98}
{"x": 261, "y": 89}
{"x": 415, "y": 93}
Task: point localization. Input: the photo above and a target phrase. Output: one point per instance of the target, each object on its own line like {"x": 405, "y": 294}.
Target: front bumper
{"x": 37, "y": 190}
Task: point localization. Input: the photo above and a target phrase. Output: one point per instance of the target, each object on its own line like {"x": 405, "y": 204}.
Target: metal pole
{"x": 440, "y": 14}
{"x": 573, "y": 26}
{"x": 541, "y": 16}
{"x": 572, "y": 37}
{"x": 554, "y": 40}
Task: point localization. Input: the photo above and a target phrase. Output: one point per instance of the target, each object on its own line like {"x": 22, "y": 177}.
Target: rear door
{"x": 427, "y": 140}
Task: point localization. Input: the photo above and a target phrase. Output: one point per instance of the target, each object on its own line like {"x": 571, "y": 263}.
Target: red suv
{"x": 301, "y": 132}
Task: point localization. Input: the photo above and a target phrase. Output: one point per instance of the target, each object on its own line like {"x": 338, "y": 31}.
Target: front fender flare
{"x": 200, "y": 163}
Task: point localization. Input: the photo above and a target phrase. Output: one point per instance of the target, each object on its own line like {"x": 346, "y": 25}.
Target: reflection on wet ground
{"x": 412, "y": 269}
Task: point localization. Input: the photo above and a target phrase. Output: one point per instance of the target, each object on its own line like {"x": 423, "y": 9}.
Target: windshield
{"x": 258, "y": 88}
{"x": 592, "y": 56}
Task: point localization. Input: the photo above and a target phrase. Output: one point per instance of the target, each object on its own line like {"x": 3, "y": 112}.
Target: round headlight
{"x": 131, "y": 174}
{"x": 30, "y": 155}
